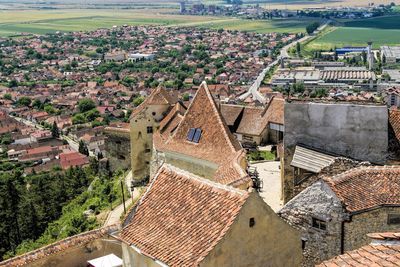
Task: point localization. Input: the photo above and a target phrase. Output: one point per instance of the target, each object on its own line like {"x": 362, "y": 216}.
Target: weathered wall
{"x": 355, "y": 131}
{"x": 132, "y": 258}
{"x": 118, "y": 149}
{"x": 317, "y": 201}
{"x": 78, "y": 256}
{"x": 270, "y": 242}
{"x": 373, "y": 221}
{"x": 72, "y": 251}
{"x": 141, "y": 141}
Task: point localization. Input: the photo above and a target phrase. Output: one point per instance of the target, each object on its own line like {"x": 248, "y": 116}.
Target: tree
{"x": 7, "y": 96}
{"x": 298, "y": 48}
{"x": 13, "y": 83}
{"x": 37, "y": 104}
{"x": 86, "y": 104}
{"x": 83, "y": 148}
{"x": 312, "y": 27}
{"x": 55, "y": 131}
{"x": 24, "y": 101}
{"x": 185, "y": 97}
{"x": 78, "y": 118}
{"x": 138, "y": 100}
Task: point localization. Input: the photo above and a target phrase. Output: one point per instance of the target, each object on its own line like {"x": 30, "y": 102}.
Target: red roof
{"x": 216, "y": 144}
{"x": 38, "y": 150}
{"x": 182, "y": 217}
{"x": 367, "y": 187}
{"x": 72, "y": 159}
{"x": 386, "y": 253}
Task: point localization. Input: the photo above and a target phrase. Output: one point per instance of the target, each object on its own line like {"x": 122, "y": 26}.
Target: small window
{"x": 194, "y": 135}
{"x": 252, "y": 222}
{"x": 118, "y": 142}
{"x": 147, "y": 150}
{"x": 153, "y": 113}
{"x": 393, "y": 219}
{"x": 122, "y": 157}
{"x": 319, "y": 224}
{"x": 149, "y": 129}
{"x": 147, "y": 162}
{"x": 303, "y": 243}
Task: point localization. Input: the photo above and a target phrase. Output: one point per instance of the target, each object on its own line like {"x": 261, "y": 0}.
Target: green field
{"x": 381, "y": 31}
{"x": 50, "y": 21}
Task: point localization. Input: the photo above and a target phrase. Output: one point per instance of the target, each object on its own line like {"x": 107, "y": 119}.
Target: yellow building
{"x": 145, "y": 120}
{"x": 187, "y": 220}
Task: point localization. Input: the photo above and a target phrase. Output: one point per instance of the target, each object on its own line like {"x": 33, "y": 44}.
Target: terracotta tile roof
{"x": 376, "y": 254}
{"x": 385, "y": 236}
{"x": 158, "y": 96}
{"x": 394, "y": 121}
{"x": 255, "y": 120}
{"x": 72, "y": 159}
{"x": 231, "y": 113}
{"x": 177, "y": 109}
{"x": 182, "y": 217}
{"x": 216, "y": 145}
{"x": 367, "y": 187}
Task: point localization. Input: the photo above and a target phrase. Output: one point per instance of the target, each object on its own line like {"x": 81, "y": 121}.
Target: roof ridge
{"x": 203, "y": 86}
{"x": 219, "y": 117}
{"x": 202, "y": 180}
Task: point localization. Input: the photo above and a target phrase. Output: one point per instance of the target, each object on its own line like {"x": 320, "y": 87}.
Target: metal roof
{"x": 310, "y": 160}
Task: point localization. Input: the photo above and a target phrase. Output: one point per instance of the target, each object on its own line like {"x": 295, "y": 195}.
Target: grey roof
{"x": 310, "y": 160}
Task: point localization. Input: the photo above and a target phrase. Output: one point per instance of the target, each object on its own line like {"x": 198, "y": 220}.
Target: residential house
{"x": 335, "y": 213}
{"x": 256, "y": 125}
{"x": 73, "y": 159}
{"x": 392, "y": 97}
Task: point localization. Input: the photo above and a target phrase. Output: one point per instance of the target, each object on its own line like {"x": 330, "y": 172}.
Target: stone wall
{"x": 374, "y": 221}
{"x": 117, "y": 147}
{"x": 317, "y": 201}
{"x": 355, "y": 131}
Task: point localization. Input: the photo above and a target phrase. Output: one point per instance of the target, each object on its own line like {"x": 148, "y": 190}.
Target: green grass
{"x": 49, "y": 21}
{"x": 381, "y": 31}
{"x": 260, "y": 155}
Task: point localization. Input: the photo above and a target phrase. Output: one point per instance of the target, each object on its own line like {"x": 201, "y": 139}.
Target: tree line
{"x": 29, "y": 203}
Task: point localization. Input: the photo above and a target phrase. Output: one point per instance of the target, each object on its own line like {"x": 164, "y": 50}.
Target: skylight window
{"x": 194, "y": 135}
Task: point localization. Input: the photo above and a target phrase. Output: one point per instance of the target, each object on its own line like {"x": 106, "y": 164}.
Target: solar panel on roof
{"x": 197, "y": 136}
{"x": 191, "y": 134}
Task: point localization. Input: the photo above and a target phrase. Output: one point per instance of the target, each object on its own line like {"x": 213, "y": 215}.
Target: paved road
{"x": 269, "y": 173}
{"x": 72, "y": 143}
{"x": 253, "y": 90}
{"x": 115, "y": 215}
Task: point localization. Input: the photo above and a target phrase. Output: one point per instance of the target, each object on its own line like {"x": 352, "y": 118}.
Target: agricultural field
{"x": 49, "y": 21}
{"x": 381, "y": 31}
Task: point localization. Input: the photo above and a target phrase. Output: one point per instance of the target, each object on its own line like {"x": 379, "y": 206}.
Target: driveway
{"x": 270, "y": 174}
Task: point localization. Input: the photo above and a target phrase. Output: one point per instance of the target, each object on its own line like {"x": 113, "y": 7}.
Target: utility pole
{"x": 123, "y": 196}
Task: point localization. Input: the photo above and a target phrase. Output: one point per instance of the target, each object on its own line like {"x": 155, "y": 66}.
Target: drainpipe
{"x": 348, "y": 219}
